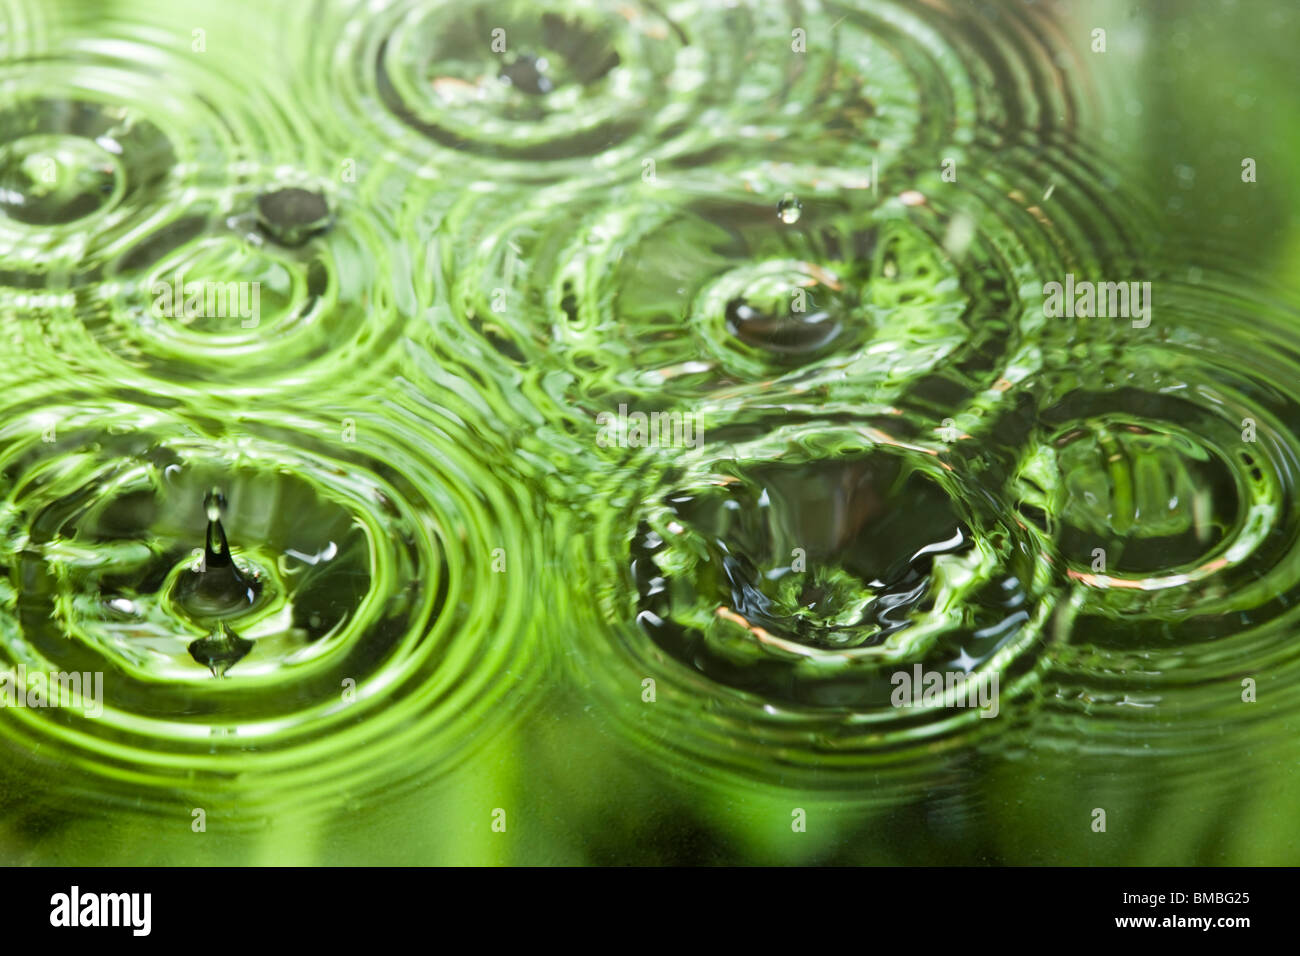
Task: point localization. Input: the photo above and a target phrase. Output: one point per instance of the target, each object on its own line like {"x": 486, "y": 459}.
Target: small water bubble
{"x": 789, "y": 209}
{"x": 292, "y": 215}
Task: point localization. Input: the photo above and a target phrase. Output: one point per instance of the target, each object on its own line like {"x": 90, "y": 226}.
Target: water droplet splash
{"x": 220, "y": 650}
{"x": 858, "y": 561}
{"x": 218, "y": 588}
{"x": 791, "y": 319}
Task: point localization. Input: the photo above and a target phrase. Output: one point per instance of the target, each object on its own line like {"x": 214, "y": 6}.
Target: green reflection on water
{"x": 487, "y": 635}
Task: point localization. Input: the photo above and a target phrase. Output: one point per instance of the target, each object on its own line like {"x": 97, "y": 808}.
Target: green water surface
{"x": 467, "y": 610}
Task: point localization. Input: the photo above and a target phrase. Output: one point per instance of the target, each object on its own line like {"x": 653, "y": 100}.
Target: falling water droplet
{"x": 291, "y": 216}
{"x": 220, "y": 650}
{"x": 789, "y": 209}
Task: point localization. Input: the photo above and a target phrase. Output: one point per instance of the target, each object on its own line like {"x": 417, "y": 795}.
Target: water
{"x": 311, "y": 316}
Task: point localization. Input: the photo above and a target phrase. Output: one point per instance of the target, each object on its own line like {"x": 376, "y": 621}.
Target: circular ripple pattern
{"x": 792, "y": 578}
{"x": 371, "y": 630}
{"x": 703, "y": 291}
{"x": 544, "y": 91}
{"x": 99, "y": 153}
{"x": 379, "y": 284}
{"x": 172, "y": 319}
{"x": 1166, "y": 474}
{"x": 129, "y": 235}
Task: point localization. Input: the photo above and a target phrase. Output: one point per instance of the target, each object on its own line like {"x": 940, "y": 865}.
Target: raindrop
{"x": 789, "y": 209}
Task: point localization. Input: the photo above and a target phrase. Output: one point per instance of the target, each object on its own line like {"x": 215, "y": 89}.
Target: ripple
{"x": 1166, "y": 476}
{"x": 213, "y": 301}
{"x": 134, "y": 162}
{"x": 55, "y": 179}
{"x": 135, "y": 100}
{"x": 540, "y": 92}
{"x": 789, "y": 580}
{"x": 820, "y": 229}
{"x": 525, "y": 90}
{"x": 376, "y": 563}
{"x": 703, "y": 292}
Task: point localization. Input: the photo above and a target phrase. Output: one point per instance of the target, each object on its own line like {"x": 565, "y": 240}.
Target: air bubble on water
{"x": 220, "y": 650}
{"x": 293, "y": 215}
{"x": 789, "y": 209}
